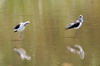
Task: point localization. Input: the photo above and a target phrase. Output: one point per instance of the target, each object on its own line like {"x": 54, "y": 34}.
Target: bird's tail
{"x": 14, "y": 30}
{"x": 66, "y": 28}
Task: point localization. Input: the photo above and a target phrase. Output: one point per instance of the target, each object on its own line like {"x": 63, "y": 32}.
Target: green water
{"x": 45, "y": 38}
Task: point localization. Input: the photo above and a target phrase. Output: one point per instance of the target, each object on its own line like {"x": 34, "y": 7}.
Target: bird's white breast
{"x": 78, "y": 26}
{"x": 21, "y": 28}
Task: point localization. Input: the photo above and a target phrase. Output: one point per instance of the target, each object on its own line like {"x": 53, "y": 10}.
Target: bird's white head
{"x": 27, "y": 22}
{"x": 80, "y": 16}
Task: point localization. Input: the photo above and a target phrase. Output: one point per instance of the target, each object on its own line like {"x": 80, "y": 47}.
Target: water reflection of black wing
{"x": 74, "y": 25}
{"x": 17, "y": 26}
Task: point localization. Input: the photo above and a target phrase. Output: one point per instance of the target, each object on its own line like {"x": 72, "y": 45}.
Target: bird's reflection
{"x": 22, "y": 53}
{"x": 77, "y": 49}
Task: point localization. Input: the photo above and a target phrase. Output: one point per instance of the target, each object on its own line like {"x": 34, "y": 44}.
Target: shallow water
{"x": 45, "y": 38}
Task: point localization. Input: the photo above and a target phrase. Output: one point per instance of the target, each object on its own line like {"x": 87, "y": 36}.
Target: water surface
{"x": 45, "y": 38}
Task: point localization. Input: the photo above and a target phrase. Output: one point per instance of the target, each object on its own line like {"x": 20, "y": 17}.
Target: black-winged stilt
{"x": 22, "y": 53}
{"x": 20, "y": 27}
{"x": 77, "y": 24}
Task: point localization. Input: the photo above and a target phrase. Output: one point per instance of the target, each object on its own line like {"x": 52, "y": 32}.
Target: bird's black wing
{"x": 17, "y": 26}
{"x": 74, "y": 25}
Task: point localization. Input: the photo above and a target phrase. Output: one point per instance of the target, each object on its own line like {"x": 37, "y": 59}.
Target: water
{"x": 46, "y": 39}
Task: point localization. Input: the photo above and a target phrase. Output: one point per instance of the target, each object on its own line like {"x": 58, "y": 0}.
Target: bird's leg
{"x": 21, "y": 35}
{"x": 76, "y": 34}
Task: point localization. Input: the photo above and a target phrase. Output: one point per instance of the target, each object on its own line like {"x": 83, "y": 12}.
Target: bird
{"x": 76, "y": 24}
{"x": 77, "y": 49}
{"x": 22, "y": 53}
{"x": 21, "y": 27}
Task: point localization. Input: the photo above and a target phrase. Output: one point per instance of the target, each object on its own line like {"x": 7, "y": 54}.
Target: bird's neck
{"x": 25, "y": 24}
{"x": 80, "y": 19}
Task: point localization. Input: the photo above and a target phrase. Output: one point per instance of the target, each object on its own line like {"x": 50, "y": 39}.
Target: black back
{"x": 74, "y": 25}
{"x": 17, "y": 26}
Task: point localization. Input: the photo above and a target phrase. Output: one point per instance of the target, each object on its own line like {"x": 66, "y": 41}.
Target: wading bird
{"x": 22, "y": 53}
{"x": 20, "y": 27}
{"x": 77, "y": 24}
